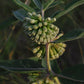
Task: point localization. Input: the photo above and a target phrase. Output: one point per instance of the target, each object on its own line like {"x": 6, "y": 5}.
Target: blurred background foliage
{"x": 14, "y": 44}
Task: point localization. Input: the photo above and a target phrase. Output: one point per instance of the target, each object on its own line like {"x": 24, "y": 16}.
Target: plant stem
{"x": 47, "y": 57}
{"x": 69, "y": 78}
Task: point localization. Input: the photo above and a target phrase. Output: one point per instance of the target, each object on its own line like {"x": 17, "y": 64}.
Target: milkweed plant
{"x": 47, "y": 38}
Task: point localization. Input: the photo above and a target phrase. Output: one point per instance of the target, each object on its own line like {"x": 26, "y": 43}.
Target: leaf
{"x": 26, "y": 7}
{"x": 20, "y": 14}
{"x": 55, "y": 3}
{"x": 11, "y": 20}
{"x": 55, "y": 66}
{"x": 44, "y": 62}
{"x": 47, "y": 4}
{"x": 73, "y": 35}
{"x": 22, "y": 66}
{"x": 75, "y": 72}
{"x": 37, "y": 3}
{"x": 69, "y": 8}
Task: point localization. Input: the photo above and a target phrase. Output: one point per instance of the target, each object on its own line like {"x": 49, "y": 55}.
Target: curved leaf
{"x": 22, "y": 66}
{"x": 54, "y": 65}
{"x": 37, "y": 3}
{"x": 47, "y": 4}
{"x": 55, "y": 3}
{"x": 20, "y": 14}
{"x": 75, "y": 72}
{"x": 26, "y": 7}
{"x": 73, "y": 35}
{"x": 68, "y": 8}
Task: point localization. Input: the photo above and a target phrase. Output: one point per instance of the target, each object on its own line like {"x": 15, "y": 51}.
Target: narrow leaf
{"x": 47, "y": 4}
{"x": 7, "y": 22}
{"x": 20, "y": 14}
{"x": 55, "y": 66}
{"x": 55, "y": 3}
{"x": 37, "y": 3}
{"x": 75, "y": 72}
{"x": 22, "y": 66}
{"x": 69, "y": 8}
{"x": 73, "y": 35}
{"x": 26, "y": 7}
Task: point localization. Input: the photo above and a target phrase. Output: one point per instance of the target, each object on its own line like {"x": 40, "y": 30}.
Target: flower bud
{"x": 55, "y": 28}
{"x": 33, "y": 32}
{"x": 48, "y": 39}
{"x": 40, "y": 24}
{"x": 39, "y": 17}
{"x": 33, "y": 13}
{"x": 39, "y": 42}
{"x": 45, "y": 29}
{"x": 37, "y": 37}
{"x": 54, "y": 19}
{"x": 55, "y": 53}
{"x": 39, "y": 31}
{"x": 32, "y": 21}
{"x": 52, "y": 26}
{"x": 52, "y": 54}
{"x": 41, "y": 39}
{"x": 62, "y": 44}
{"x": 49, "y": 19}
{"x": 35, "y": 27}
{"x": 29, "y": 28}
{"x": 45, "y": 41}
{"x": 29, "y": 13}
{"x": 61, "y": 51}
{"x": 39, "y": 53}
{"x": 45, "y": 23}
{"x": 36, "y": 49}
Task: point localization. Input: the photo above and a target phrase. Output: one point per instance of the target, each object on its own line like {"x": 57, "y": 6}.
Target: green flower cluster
{"x": 47, "y": 80}
{"x": 40, "y": 30}
{"x": 56, "y": 50}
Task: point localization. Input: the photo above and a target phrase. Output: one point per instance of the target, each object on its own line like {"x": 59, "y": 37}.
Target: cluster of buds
{"x": 40, "y": 30}
{"x": 47, "y": 80}
{"x": 56, "y": 50}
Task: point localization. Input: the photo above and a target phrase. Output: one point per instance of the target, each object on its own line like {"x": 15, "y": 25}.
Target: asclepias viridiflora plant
{"x": 48, "y": 42}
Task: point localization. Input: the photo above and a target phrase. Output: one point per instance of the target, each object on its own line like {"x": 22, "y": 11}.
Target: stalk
{"x": 47, "y": 58}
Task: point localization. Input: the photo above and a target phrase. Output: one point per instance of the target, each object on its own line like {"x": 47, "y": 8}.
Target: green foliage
{"x": 20, "y": 14}
{"x": 69, "y": 8}
{"x": 38, "y": 3}
{"x": 73, "y": 35}
{"x": 75, "y": 72}
{"x": 28, "y": 8}
{"x": 21, "y": 66}
{"x": 55, "y": 3}
{"x": 47, "y": 4}
{"x": 30, "y": 66}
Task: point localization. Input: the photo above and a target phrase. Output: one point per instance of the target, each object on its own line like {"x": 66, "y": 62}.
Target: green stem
{"x": 47, "y": 57}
